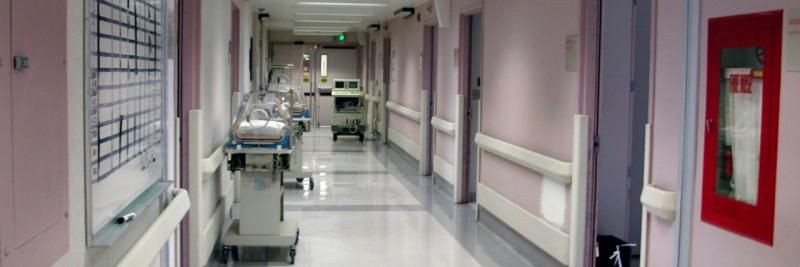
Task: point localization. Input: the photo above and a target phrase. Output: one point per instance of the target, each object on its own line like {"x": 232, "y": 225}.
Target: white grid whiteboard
{"x": 125, "y": 106}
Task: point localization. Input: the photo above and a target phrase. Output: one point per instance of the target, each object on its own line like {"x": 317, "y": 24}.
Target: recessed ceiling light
{"x": 345, "y": 3}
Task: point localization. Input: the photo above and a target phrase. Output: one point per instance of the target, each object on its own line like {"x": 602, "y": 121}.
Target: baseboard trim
{"x": 404, "y": 143}
{"x": 444, "y": 169}
{"x": 547, "y": 237}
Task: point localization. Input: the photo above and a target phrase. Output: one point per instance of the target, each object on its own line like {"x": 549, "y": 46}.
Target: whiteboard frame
{"x": 109, "y": 232}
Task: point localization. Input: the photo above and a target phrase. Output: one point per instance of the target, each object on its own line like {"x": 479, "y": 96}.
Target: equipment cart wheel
{"x": 361, "y": 137}
{"x": 292, "y": 254}
{"x": 235, "y": 253}
{"x": 225, "y": 254}
{"x": 335, "y": 137}
{"x": 310, "y": 183}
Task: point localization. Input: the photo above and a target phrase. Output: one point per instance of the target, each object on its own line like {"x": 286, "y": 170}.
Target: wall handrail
{"x": 205, "y": 222}
{"x": 659, "y": 202}
{"x": 566, "y": 247}
{"x": 151, "y": 242}
{"x": 443, "y": 125}
{"x": 213, "y": 161}
{"x": 403, "y": 111}
{"x": 557, "y": 170}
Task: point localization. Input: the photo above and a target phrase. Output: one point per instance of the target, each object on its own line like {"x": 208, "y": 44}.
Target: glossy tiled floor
{"x": 369, "y": 208}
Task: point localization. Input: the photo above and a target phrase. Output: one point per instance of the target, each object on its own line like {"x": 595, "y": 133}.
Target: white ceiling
{"x": 328, "y": 16}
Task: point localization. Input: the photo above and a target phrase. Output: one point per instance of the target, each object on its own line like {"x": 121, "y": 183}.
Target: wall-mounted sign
{"x": 323, "y": 68}
{"x": 792, "y": 35}
{"x": 571, "y": 47}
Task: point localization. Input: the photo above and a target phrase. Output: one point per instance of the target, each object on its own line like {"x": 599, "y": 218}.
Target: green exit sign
{"x": 340, "y": 38}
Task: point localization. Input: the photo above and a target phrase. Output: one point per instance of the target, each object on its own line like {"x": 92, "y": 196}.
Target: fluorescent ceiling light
{"x": 344, "y": 3}
{"x": 325, "y": 21}
{"x": 331, "y": 31}
{"x": 310, "y": 28}
{"x": 317, "y": 33}
{"x": 322, "y": 27}
{"x": 332, "y": 15}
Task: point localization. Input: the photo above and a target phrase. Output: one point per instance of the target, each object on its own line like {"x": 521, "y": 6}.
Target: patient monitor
{"x": 349, "y": 113}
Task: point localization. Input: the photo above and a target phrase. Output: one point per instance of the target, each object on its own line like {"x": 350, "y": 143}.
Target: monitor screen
{"x": 353, "y": 85}
{"x": 339, "y": 84}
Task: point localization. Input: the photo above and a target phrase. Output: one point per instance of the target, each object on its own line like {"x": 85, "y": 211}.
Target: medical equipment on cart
{"x": 260, "y": 151}
{"x": 289, "y": 104}
{"x": 349, "y": 116}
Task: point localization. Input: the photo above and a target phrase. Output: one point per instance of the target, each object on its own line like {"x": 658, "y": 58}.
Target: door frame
{"x": 589, "y": 84}
{"x": 589, "y": 75}
{"x": 689, "y": 112}
{"x": 462, "y": 151}
{"x": 386, "y": 74}
{"x": 636, "y": 33}
{"x": 428, "y": 99}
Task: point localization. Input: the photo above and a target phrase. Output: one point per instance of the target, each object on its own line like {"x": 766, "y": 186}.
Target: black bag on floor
{"x": 607, "y": 245}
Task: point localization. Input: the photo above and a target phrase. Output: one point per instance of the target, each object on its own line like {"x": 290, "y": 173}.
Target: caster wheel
{"x": 361, "y": 138}
{"x": 335, "y": 137}
{"x": 292, "y": 254}
{"x": 311, "y": 184}
{"x": 225, "y": 254}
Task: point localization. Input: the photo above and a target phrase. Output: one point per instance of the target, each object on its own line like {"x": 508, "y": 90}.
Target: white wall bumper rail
{"x": 568, "y": 248}
{"x": 656, "y": 201}
{"x": 151, "y": 243}
{"x": 661, "y": 203}
{"x": 460, "y": 137}
{"x": 559, "y": 170}
{"x": 205, "y": 223}
{"x": 403, "y": 111}
{"x": 443, "y": 125}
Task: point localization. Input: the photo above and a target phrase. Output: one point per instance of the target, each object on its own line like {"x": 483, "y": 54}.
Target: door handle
{"x": 21, "y": 63}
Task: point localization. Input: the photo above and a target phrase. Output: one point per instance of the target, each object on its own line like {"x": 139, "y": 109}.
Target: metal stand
{"x": 261, "y": 220}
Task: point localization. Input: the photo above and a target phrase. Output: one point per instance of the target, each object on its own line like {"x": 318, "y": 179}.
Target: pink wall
{"x": 190, "y": 19}
{"x": 34, "y": 224}
{"x": 235, "y": 46}
{"x": 667, "y": 60}
{"x": 406, "y": 84}
{"x": 6, "y": 192}
{"x": 710, "y": 245}
{"x": 528, "y": 98}
{"x": 714, "y": 246}
{"x": 447, "y": 78}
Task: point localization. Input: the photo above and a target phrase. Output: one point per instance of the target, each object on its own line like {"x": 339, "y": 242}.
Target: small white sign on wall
{"x": 571, "y": 53}
{"x": 791, "y": 53}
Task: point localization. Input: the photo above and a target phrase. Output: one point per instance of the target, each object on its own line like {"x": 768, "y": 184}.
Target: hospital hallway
{"x": 370, "y": 208}
{"x": 399, "y": 133}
